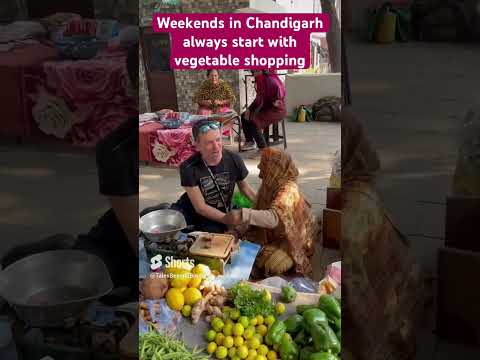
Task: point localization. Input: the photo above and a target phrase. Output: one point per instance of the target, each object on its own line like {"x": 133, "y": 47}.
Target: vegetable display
{"x": 251, "y": 302}
{"x": 156, "y": 346}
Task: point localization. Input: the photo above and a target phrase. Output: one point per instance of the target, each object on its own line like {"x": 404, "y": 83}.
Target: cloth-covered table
{"x": 79, "y": 101}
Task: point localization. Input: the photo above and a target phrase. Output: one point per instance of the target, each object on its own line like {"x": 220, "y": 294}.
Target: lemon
{"x": 202, "y": 270}
{"x": 218, "y": 325}
{"x": 253, "y": 343}
{"x": 228, "y": 342}
{"x": 219, "y": 338}
{"x": 253, "y": 321}
{"x": 232, "y": 352}
{"x": 195, "y": 282}
{"x": 261, "y": 329}
{"x": 175, "y": 299}
{"x": 269, "y": 320}
{"x": 260, "y": 357}
{"x": 238, "y": 330}
{"x": 280, "y": 308}
{"x": 260, "y": 319}
{"x": 234, "y": 314}
{"x": 244, "y": 321}
{"x": 242, "y": 352}
{"x": 248, "y": 334}
{"x": 267, "y": 296}
{"x": 252, "y": 353}
{"x": 211, "y": 335}
{"x": 221, "y": 352}
{"x": 251, "y": 357}
{"x": 259, "y": 337}
{"x": 262, "y": 350}
{"x": 192, "y": 295}
{"x": 228, "y": 330}
{"x": 181, "y": 279}
{"x": 211, "y": 348}
{"x": 272, "y": 355}
{"x": 238, "y": 341}
{"x": 186, "y": 310}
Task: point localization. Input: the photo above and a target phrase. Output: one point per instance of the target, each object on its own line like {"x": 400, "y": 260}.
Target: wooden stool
{"x": 275, "y": 136}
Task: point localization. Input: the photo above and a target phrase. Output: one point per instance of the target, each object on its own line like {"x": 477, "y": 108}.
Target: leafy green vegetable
{"x": 251, "y": 302}
{"x": 156, "y": 346}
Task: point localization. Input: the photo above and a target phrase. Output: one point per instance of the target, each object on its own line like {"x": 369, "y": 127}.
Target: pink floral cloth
{"x": 79, "y": 101}
{"x": 172, "y": 146}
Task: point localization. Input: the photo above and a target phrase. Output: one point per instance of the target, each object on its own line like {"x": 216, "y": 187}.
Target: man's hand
{"x": 234, "y": 217}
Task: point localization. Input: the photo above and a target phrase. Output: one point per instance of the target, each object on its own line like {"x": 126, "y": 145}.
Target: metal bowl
{"x": 162, "y": 225}
{"x": 54, "y": 287}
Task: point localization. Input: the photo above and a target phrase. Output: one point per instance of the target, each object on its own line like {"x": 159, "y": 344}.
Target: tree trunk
{"x": 333, "y": 36}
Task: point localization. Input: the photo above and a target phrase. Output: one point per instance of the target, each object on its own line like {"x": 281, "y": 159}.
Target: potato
{"x": 154, "y": 288}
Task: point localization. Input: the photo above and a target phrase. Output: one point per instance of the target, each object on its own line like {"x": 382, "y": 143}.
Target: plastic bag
{"x": 274, "y": 281}
{"x": 165, "y": 319}
{"x": 467, "y": 172}
{"x": 304, "y": 285}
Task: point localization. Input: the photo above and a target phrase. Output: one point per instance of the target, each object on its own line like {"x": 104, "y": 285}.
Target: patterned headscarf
{"x": 279, "y": 191}
{"x": 359, "y": 159}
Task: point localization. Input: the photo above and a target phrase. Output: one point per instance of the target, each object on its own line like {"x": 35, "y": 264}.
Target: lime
{"x": 269, "y": 320}
{"x": 242, "y": 352}
{"x": 287, "y": 337}
{"x": 219, "y": 338}
{"x": 272, "y": 355}
{"x": 228, "y": 342}
{"x": 211, "y": 348}
{"x": 211, "y": 335}
{"x": 238, "y": 330}
{"x": 253, "y": 321}
{"x": 259, "y": 337}
{"x": 234, "y": 314}
{"x": 221, "y": 352}
{"x": 236, "y": 358}
{"x": 251, "y": 357}
{"x": 260, "y": 357}
{"x": 252, "y": 353}
{"x": 244, "y": 321}
{"x": 214, "y": 319}
{"x": 227, "y": 329}
{"x": 260, "y": 319}
{"x": 218, "y": 325}
{"x": 253, "y": 343}
{"x": 226, "y": 309}
{"x": 276, "y": 347}
{"x": 238, "y": 341}
{"x": 186, "y": 310}
{"x": 262, "y": 350}
{"x": 261, "y": 329}
{"x": 231, "y": 352}
{"x": 267, "y": 296}
{"x": 229, "y": 321}
{"x": 248, "y": 334}
{"x": 280, "y": 308}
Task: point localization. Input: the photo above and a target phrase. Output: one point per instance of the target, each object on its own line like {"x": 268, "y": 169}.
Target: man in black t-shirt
{"x": 209, "y": 178}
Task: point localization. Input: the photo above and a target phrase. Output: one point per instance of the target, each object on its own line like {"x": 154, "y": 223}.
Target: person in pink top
{"x": 267, "y": 108}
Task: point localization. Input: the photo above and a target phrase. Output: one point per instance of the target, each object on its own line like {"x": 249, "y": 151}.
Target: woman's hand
{"x": 234, "y": 217}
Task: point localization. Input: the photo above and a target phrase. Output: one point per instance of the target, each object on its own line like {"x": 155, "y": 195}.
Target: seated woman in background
{"x": 214, "y": 95}
{"x": 281, "y": 221}
{"x": 382, "y": 287}
{"x": 267, "y": 108}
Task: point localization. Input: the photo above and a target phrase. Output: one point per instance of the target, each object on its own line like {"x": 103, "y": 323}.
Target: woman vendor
{"x": 382, "y": 287}
{"x": 281, "y": 221}
{"x": 214, "y": 95}
{"x": 267, "y": 108}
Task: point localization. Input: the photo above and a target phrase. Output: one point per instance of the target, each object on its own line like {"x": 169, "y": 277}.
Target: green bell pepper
{"x": 335, "y": 324}
{"x": 289, "y": 294}
{"x": 324, "y": 339}
{"x": 330, "y": 306}
{"x": 301, "y": 308}
{"x": 301, "y": 339}
{"x": 294, "y": 324}
{"x": 276, "y": 332}
{"x": 288, "y": 350}
{"x": 339, "y": 335}
{"x": 305, "y": 353}
{"x": 322, "y": 356}
{"x": 315, "y": 316}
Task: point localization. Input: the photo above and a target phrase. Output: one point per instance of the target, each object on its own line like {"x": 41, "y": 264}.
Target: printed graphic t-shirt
{"x": 231, "y": 170}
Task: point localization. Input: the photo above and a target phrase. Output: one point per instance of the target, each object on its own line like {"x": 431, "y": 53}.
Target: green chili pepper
{"x": 294, "y": 324}
{"x": 276, "y": 332}
{"x": 330, "y": 306}
{"x": 301, "y": 308}
{"x": 322, "y": 356}
{"x": 288, "y": 350}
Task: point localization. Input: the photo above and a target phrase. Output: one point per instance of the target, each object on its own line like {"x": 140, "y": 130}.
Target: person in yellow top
{"x": 214, "y": 95}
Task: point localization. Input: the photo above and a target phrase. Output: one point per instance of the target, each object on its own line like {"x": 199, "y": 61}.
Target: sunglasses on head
{"x": 214, "y": 125}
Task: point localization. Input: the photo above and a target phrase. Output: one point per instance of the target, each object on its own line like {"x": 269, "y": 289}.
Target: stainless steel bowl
{"x": 55, "y": 287}
{"x": 162, "y": 225}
